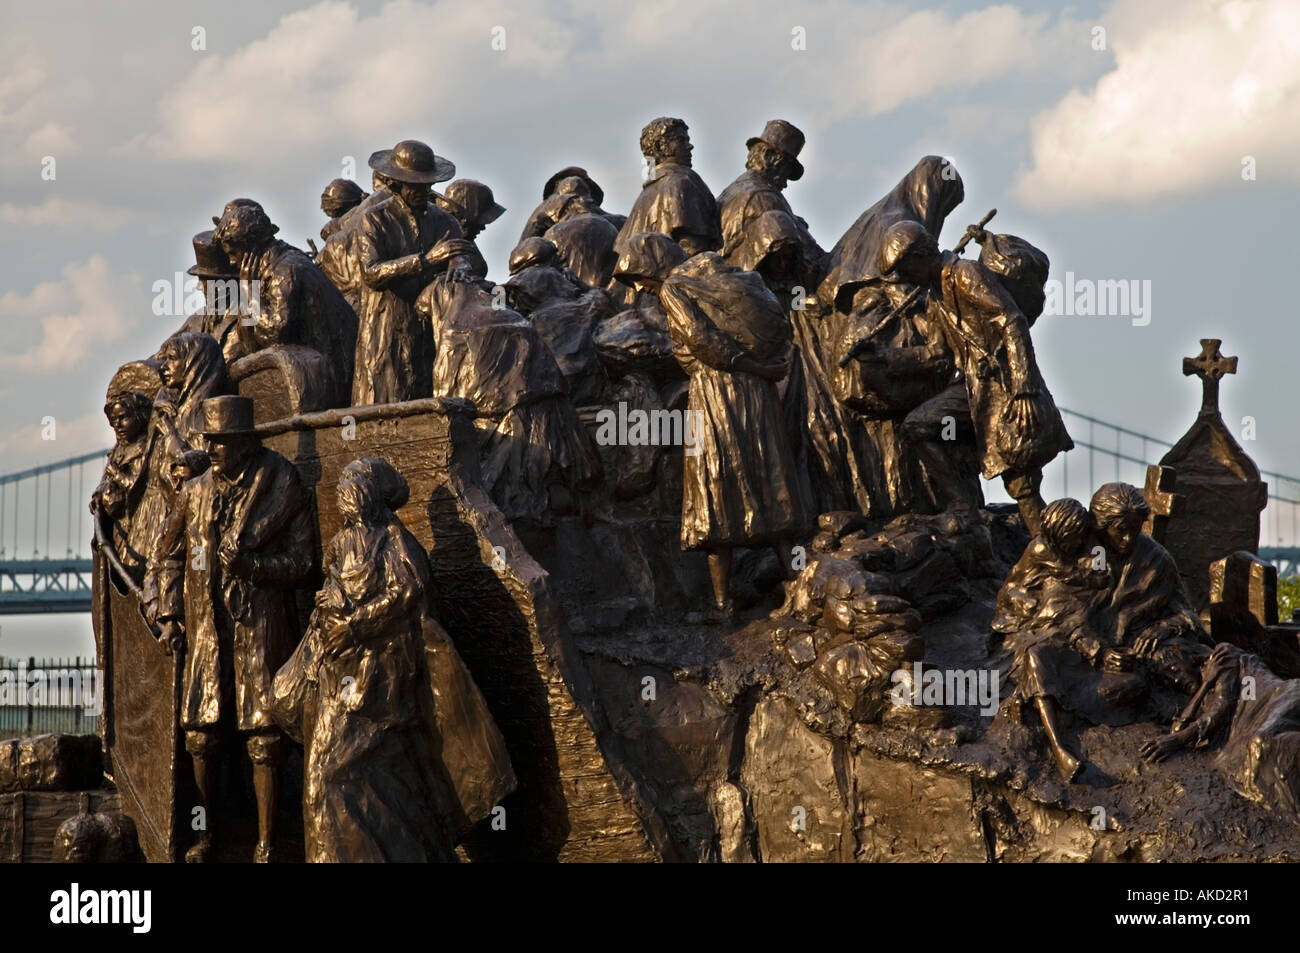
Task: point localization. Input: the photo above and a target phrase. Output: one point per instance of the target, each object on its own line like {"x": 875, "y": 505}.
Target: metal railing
{"x": 38, "y": 696}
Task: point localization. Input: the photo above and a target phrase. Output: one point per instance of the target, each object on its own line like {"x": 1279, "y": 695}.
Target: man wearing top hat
{"x": 473, "y": 207}
{"x": 238, "y": 541}
{"x": 219, "y": 282}
{"x": 402, "y": 243}
{"x": 291, "y": 301}
{"x": 773, "y": 161}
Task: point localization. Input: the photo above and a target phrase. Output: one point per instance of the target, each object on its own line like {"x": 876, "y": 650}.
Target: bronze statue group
{"x": 884, "y": 376}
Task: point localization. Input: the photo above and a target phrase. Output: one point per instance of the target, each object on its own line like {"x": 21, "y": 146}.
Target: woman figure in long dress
{"x": 376, "y": 788}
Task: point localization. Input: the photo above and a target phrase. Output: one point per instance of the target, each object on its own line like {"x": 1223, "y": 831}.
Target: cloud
{"x": 930, "y": 52}
{"x": 85, "y": 308}
{"x": 28, "y": 445}
{"x": 1196, "y": 88}
{"x": 326, "y": 69}
{"x": 64, "y": 213}
{"x": 51, "y": 139}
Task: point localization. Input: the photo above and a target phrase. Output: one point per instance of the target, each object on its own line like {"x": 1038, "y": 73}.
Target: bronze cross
{"x": 1162, "y": 500}
{"x": 1209, "y": 366}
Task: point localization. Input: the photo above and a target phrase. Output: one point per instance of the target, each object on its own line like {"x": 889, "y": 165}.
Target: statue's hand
{"x": 1115, "y": 661}
{"x": 1148, "y": 641}
{"x": 171, "y": 636}
{"x": 235, "y": 561}
{"x": 1160, "y": 748}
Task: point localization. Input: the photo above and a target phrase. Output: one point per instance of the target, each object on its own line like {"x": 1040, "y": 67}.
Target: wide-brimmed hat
{"x": 471, "y": 199}
{"x": 210, "y": 260}
{"x": 574, "y": 171}
{"x": 228, "y": 416}
{"x": 413, "y": 162}
{"x": 785, "y": 138}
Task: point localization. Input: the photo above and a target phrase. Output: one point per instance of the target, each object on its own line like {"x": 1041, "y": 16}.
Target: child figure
{"x": 1044, "y": 608}
{"x": 125, "y": 474}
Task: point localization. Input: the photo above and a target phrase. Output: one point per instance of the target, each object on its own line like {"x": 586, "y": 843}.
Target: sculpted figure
{"x": 772, "y": 163}
{"x": 472, "y": 205}
{"x": 1257, "y": 730}
{"x": 236, "y": 543}
{"x": 731, "y": 335}
{"x": 357, "y": 690}
{"x": 1094, "y": 610}
{"x": 565, "y": 313}
{"x": 1017, "y": 426}
{"x": 402, "y": 243}
{"x": 126, "y": 475}
{"x": 569, "y": 193}
{"x": 295, "y": 303}
{"x": 1045, "y": 609}
{"x": 884, "y": 476}
{"x": 222, "y": 309}
{"x": 674, "y": 200}
{"x": 584, "y": 234}
{"x": 538, "y": 459}
{"x": 340, "y": 197}
{"x": 1148, "y": 610}
{"x": 339, "y": 257}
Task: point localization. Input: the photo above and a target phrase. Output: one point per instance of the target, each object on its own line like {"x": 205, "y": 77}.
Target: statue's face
{"x": 172, "y": 371}
{"x": 415, "y": 196}
{"x": 1121, "y": 535}
{"x": 229, "y": 454}
{"x": 126, "y": 425}
{"x": 678, "y": 147}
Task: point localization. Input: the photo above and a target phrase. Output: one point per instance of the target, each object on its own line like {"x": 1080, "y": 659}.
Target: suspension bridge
{"x": 45, "y": 563}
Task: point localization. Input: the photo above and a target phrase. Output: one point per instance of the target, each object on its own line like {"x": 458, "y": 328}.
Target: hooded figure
{"x": 927, "y": 194}
{"x": 564, "y": 311}
{"x": 537, "y": 458}
{"x": 377, "y": 785}
{"x": 740, "y": 486}
{"x": 886, "y": 476}
{"x": 774, "y": 248}
{"x": 566, "y": 194}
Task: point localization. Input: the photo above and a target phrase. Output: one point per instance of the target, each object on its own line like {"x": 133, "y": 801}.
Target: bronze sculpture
{"x": 471, "y": 203}
{"x": 674, "y": 200}
{"x": 570, "y": 571}
{"x": 339, "y": 197}
{"x": 236, "y": 542}
{"x": 357, "y": 691}
{"x": 1017, "y": 425}
{"x": 295, "y": 303}
{"x": 1095, "y": 609}
{"x": 732, "y": 336}
{"x": 402, "y": 241}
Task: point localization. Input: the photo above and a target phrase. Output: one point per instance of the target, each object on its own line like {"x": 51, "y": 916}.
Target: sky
{"x": 1139, "y": 140}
